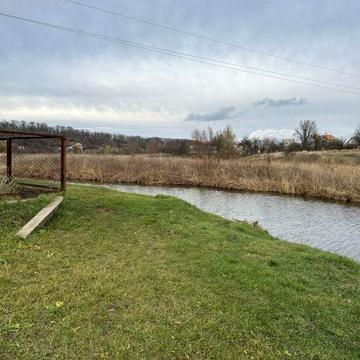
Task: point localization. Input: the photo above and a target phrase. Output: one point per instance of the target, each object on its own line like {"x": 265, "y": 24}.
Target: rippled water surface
{"x": 327, "y": 226}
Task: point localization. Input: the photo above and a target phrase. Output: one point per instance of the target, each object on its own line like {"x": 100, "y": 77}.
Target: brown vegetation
{"x": 297, "y": 175}
{"x": 325, "y": 175}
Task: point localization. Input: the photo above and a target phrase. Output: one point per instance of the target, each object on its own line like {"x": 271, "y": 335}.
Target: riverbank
{"x": 335, "y": 228}
{"x": 117, "y": 275}
{"x": 309, "y": 175}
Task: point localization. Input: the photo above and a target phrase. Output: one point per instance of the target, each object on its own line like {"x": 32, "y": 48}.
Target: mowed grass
{"x": 123, "y": 276}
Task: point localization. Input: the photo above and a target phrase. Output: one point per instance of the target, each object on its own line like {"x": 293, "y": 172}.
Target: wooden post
{"x": 63, "y": 164}
{"x": 9, "y": 158}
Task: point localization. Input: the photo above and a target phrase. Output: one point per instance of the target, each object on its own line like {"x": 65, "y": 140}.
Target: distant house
{"x": 76, "y": 148}
{"x": 328, "y": 137}
{"x": 325, "y": 138}
{"x": 325, "y": 141}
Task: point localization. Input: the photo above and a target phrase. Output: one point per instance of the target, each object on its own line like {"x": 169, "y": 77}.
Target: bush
{"x": 293, "y": 147}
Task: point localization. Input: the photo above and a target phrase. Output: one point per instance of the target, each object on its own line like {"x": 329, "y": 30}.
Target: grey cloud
{"x": 89, "y": 82}
{"x": 226, "y": 113}
{"x": 281, "y": 102}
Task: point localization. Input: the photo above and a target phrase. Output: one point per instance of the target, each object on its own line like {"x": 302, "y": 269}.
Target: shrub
{"x": 293, "y": 147}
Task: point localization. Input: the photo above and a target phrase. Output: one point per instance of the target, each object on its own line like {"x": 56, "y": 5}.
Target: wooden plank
{"x": 40, "y": 218}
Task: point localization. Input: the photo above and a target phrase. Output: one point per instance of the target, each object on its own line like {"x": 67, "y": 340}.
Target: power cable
{"x": 203, "y": 37}
{"x": 172, "y": 53}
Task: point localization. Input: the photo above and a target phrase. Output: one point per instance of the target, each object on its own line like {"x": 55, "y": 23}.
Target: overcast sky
{"x": 56, "y": 77}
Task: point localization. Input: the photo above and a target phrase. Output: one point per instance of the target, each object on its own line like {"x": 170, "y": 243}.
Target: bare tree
{"x": 229, "y": 147}
{"x": 270, "y": 145}
{"x": 250, "y": 146}
{"x": 356, "y": 136}
{"x": 210, "y": 134}
{"x": 200, "y": 141}
{"x": 306, "y": 133}
{"x": 225, "y": 142}
{"x": 199, "y": 136}
{"x": 153, "y": 146}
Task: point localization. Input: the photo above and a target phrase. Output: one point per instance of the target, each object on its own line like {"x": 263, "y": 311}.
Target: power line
{"x": 203, "y": 37}
{"x": 189, "y": 57}
{"x": 174, "y": 53}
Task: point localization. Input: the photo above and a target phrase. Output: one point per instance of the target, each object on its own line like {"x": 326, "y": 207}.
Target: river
{"x": 328, "y": 226}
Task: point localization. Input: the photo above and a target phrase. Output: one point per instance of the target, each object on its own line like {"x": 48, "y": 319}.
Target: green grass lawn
{"x": 123, "y": 276}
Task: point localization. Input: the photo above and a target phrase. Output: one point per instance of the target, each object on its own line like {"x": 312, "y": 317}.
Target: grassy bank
{"x": 122, "y": 276}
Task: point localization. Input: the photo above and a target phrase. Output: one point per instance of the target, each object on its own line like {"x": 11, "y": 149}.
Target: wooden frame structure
{"x": 11, "y": 135}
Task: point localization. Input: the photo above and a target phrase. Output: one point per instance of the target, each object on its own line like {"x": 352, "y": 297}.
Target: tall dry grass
{"x": 302, "y": 174}
{"x": 321, "y": 179}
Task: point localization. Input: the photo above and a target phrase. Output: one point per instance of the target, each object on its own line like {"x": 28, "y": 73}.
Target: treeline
{"x": 102, "y": 142}
{"x": 309, "y": 138}
{"x": 306, "y": 137}
{"x": 222, "y": 143}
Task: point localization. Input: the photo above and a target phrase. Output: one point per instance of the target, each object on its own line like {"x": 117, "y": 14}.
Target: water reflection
{"x": 328, "y": 226}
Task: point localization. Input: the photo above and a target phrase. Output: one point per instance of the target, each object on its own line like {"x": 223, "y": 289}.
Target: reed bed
{"x": 319, "y": 179}
{"x": 303, "y": 174}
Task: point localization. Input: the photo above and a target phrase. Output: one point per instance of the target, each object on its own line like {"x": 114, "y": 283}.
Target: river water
{"x": 328, "y": 226}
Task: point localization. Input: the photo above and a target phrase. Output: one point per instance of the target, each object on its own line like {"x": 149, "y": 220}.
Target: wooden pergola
{"x": 11, "y": 135}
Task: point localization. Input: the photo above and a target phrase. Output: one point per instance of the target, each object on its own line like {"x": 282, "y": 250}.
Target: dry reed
{"x": 296, "y": 175}
{"x": 321, "y": 179}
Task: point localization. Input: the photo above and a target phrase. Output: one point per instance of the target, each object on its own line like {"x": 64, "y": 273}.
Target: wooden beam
{"x": 9, "y": 158}
{"x": 40, "y": 218}
{"x": 27, "y": 133}
{"x": 63, "y": 164}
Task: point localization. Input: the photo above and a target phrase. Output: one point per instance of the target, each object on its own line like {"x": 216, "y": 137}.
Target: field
{"x": 331, "y": 175}
{"x": 326, "y": 156}
{"x": 318, "y": 175}
{"x": 120, "y": 276}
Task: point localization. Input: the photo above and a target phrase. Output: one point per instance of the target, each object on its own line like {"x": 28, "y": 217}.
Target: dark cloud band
{"x": 226, "y": 113}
